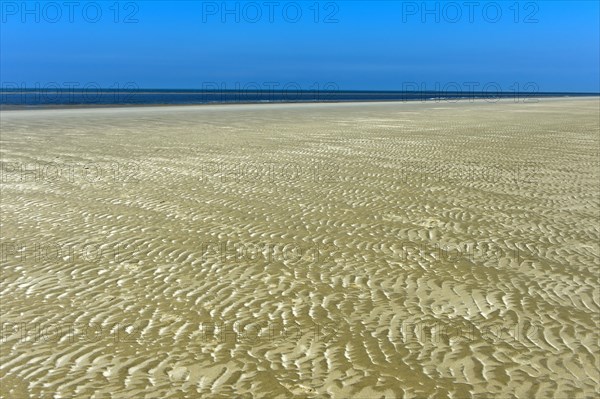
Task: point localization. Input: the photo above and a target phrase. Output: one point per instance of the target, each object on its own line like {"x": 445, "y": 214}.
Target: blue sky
{"x": 387, "y": 45}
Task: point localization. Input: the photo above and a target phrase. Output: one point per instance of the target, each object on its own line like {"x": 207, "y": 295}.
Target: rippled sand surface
{"x": 397, "y": 250}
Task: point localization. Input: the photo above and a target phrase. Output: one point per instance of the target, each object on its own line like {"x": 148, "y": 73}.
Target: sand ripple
{"x": 343, "y": 250}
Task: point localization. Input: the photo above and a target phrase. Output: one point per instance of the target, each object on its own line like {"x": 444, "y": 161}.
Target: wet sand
{"x": 364, "y": 250}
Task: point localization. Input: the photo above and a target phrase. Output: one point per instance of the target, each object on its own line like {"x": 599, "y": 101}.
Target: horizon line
{"x": 15, "y": 89}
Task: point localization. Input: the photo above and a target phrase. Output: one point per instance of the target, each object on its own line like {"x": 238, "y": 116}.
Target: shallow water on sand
{"x": 342, "y": 250}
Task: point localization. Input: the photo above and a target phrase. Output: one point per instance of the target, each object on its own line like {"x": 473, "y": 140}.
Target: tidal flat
{"x": 426, "y": 249}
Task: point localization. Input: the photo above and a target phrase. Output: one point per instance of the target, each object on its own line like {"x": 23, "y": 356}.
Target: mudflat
{"x": 364, "y": 250}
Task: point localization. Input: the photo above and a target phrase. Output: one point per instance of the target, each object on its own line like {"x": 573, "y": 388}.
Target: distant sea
{"x": 67, "y": 98}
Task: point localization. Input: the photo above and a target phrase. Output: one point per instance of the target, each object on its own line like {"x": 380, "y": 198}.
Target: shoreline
{"x": 447, "y": 101}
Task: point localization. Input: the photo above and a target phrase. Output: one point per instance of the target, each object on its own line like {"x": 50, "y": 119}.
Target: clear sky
{"x": 387, "y": 45}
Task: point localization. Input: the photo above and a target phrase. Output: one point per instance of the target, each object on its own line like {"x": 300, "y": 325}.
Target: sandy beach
{"x": 357, "y": 250}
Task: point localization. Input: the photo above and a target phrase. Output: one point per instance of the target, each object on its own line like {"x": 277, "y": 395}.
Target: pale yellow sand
{"x": 384, "y": 250}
